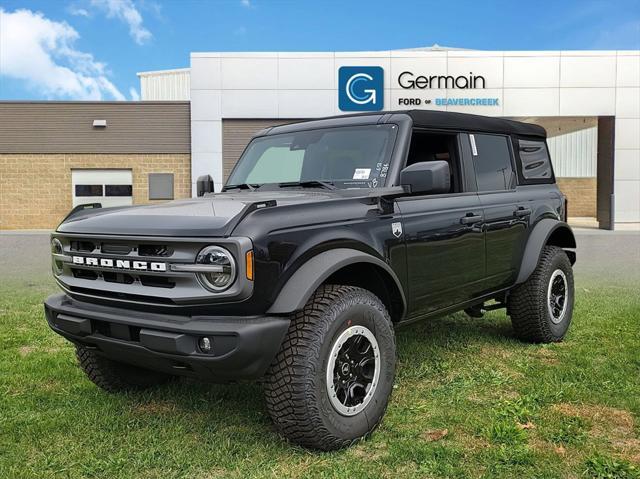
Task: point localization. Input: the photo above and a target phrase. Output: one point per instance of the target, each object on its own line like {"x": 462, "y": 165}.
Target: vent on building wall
{"x": 99, "y": 123}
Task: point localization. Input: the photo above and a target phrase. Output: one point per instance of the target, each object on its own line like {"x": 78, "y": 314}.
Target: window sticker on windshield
{"x": 361, "y": 173}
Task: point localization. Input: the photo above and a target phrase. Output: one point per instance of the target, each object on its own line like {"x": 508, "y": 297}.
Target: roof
{"x": 433, "y": 48}
{"x": 173, "y": 71}
{"x": 443, "y": 120}
{"x": 468, "y": 122}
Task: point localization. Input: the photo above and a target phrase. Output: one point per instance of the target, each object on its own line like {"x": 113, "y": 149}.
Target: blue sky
{"x": 92, "y": 49}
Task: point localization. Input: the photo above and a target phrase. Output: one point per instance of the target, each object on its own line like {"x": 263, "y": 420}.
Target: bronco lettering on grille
{"x": 119, "y": 263}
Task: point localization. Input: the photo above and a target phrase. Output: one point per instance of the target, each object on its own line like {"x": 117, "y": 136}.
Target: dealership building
{"x": 197, "y": 120}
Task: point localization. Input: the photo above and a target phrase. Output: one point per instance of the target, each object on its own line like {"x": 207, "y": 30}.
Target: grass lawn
{"x": 470, "y": 401}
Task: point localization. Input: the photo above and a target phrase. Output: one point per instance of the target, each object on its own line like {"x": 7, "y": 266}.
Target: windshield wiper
{"x": 241, "y": 186}
{"x": 327, "y": 185}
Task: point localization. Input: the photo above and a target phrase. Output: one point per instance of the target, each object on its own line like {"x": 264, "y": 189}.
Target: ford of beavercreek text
{"x": 327, "y": 236}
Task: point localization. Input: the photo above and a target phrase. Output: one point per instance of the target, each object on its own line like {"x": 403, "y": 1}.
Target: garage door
{"x": 108, "y": 187}
{"x": 235, "y": 137}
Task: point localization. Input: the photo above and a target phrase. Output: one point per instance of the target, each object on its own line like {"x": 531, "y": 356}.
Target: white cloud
{"x": 41, "y": 52}
{"x": 246, "y": 3}
{"x": 135, "y": 96}
{"x": 127, "y": 12}
{"x": 78, "y": 12}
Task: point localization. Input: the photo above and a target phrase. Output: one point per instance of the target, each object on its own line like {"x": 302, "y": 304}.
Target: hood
{"x": 211, "y": 215}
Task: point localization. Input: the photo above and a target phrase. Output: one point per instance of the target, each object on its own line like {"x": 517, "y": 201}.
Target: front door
{"x": 445, "y": 250}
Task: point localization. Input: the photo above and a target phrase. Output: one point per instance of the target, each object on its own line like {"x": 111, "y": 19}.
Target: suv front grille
{"x": 139, "y": 268}
{"x": 125, "y": 282}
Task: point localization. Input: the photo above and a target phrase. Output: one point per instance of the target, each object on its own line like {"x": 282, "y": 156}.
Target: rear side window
{"x": 492, "y": 162}
{"x": 534, "y": 156}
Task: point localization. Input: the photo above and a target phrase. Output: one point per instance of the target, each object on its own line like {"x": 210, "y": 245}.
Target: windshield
{"x": 345, "y": 157}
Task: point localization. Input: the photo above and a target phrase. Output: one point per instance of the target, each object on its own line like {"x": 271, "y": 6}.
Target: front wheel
{"x": 542, "y": 307}
{"x": 330, "y": 382}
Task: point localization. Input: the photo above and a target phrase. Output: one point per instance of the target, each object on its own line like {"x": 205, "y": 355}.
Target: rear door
{"x": 507, "y": 211}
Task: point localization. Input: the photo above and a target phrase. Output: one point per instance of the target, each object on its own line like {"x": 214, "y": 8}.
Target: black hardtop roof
{"x": 427, "y": 119}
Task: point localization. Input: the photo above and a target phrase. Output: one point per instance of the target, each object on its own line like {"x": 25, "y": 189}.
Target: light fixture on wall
{"x": 99, "y": 123}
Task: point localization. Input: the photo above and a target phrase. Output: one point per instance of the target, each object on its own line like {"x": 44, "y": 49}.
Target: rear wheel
{"x": 541, "y": 308}
{"x": 330, "y": 383}
{"x": 113, "y": 376}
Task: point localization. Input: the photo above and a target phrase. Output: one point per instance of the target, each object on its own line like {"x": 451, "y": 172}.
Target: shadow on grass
{"x": 239, "y": 411}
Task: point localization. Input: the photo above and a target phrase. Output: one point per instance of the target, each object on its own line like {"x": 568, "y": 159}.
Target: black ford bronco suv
{"x": 328, "y": 234}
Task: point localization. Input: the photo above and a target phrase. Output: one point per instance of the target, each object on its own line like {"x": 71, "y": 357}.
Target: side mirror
{"x": 427, "y": 177}
{"x": 204, "y": 185}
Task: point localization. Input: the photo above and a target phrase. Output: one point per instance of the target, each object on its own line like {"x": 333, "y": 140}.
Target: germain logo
{"x": 360, "y": 88}
{"x": 119, "y": 263}
{"x": 408, "y": 81}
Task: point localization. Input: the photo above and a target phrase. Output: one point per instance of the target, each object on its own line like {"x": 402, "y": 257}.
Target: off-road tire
{"x": 295, "y": 386}
{"x": 528, "y": 303}
{"x": 113, "y": 376}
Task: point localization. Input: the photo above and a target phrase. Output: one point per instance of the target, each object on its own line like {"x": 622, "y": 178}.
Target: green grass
{"x": 469, "y": 401}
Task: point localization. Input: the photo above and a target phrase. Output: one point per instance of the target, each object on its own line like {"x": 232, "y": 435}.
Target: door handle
{"x": 520, "y": 212}
{"x": 470, "y": 219}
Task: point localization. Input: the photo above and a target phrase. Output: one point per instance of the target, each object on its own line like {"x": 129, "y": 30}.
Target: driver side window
{"x": 433, "y": 146}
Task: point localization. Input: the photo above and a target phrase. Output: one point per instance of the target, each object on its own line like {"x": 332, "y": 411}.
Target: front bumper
{"x": 242, "y": 347}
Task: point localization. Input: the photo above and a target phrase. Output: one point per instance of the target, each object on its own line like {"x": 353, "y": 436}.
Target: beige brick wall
{"x": 582, "y": 194}
{"x": 35, "y": 190}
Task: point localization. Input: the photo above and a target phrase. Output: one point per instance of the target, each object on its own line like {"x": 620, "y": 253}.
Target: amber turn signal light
{"x": 249, "y": 262}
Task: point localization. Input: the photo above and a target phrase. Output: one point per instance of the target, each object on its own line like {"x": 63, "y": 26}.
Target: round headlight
{"x": 56, "y": 248}
{"x": 217, "y": 280}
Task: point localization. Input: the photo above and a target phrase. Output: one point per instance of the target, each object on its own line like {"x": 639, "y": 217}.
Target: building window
{"x": 160, "y": 186}
{"x": 492, "y": 162}
{"x": 118, "y": 190}
{"x": 109, "y": 187}
{"x": 88, "y": 190}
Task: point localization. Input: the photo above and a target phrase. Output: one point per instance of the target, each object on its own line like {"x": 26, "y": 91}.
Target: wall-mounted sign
{"x": 361, "y": 88}
{"x": 408, "y": 80}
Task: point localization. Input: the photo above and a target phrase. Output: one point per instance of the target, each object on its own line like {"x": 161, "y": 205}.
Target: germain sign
{"x": 408, "y": 80}
{"x": 361, "y": 88}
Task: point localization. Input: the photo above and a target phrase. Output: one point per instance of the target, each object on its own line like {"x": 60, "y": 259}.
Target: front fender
{"x": 546, "y": 231}
{"x": 301, "y": 285}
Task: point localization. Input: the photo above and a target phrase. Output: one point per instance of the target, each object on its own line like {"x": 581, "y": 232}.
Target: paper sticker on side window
{"x": 474, "y": 149}
{"x": 361, "y": 173}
